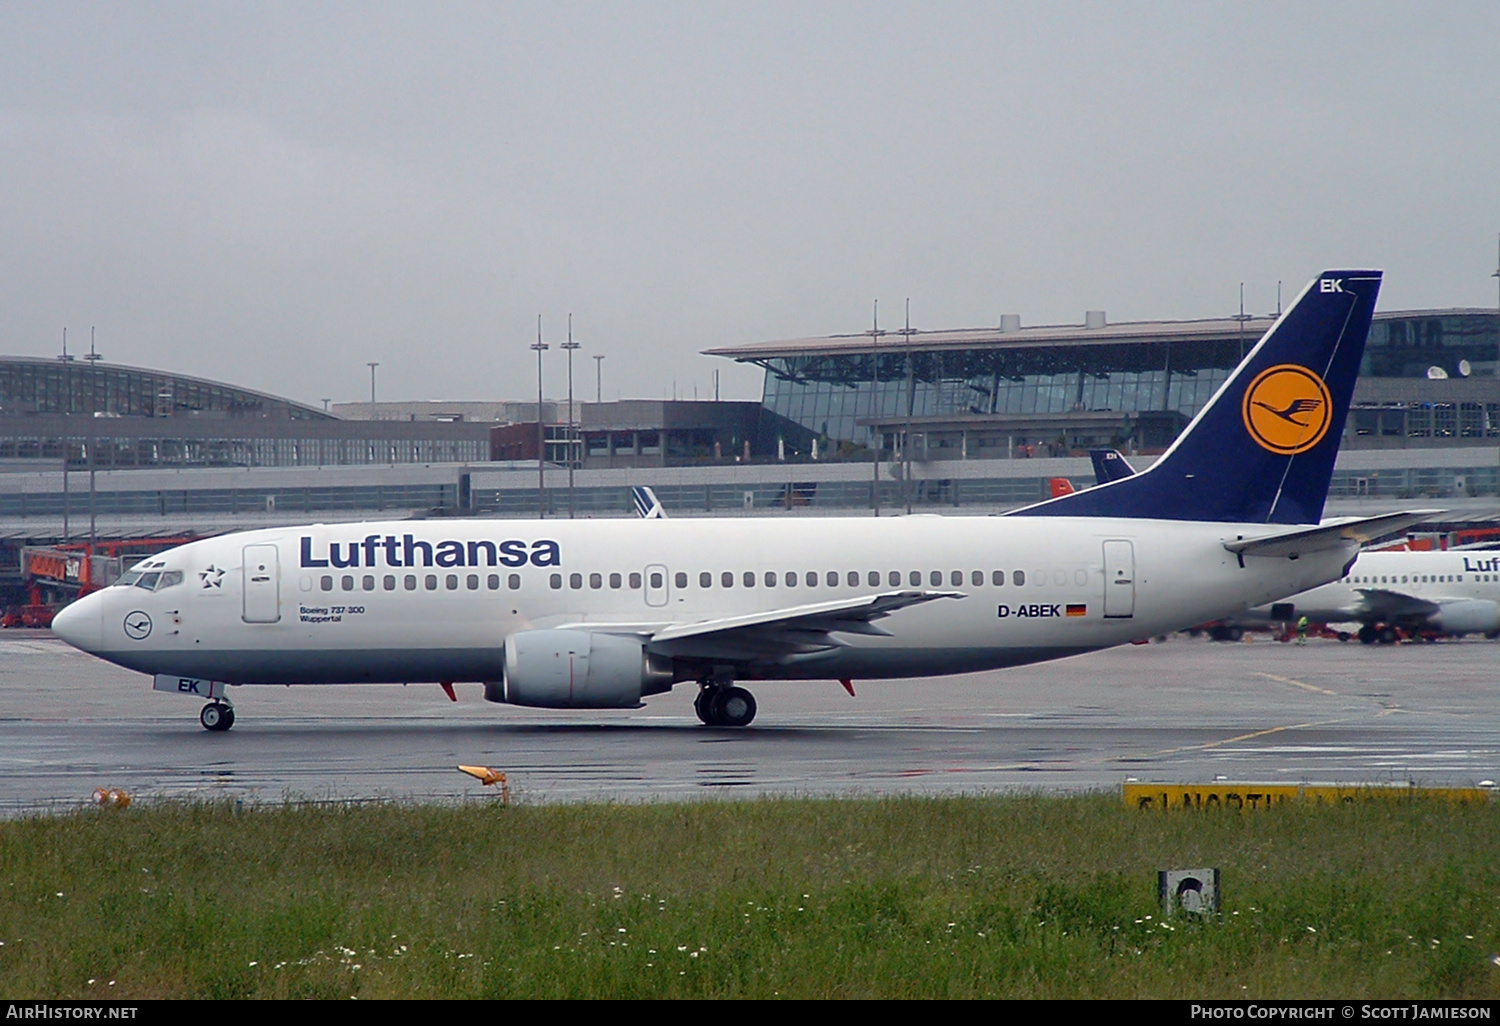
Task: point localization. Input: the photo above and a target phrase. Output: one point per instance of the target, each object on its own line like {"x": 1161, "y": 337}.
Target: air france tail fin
{"x": 647, "y": 505}
{"x": 1262, "y": 450}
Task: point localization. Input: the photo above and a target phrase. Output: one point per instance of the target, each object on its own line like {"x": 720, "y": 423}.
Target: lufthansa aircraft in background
{"x": 1390, "y": 592}
{"x": 599, "y": 613}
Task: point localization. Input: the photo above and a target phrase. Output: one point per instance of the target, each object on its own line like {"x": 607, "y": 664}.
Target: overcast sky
{"x": 275, "y": 194}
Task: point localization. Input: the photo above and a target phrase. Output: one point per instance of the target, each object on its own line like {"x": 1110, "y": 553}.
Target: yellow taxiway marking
{"x": 1241, "y": 737}
{"x": 1297, "y": 684}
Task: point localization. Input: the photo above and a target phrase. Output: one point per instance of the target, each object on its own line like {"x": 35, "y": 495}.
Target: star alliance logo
{"x": 213, "y": 577}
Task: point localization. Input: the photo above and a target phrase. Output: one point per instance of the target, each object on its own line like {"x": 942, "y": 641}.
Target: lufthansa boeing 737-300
{"x": 593, "y": 614}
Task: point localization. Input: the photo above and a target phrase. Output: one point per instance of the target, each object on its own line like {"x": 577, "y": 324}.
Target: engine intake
{"x": 561, "y": 669}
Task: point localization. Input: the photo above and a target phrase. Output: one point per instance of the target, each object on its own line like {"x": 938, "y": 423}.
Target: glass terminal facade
{"x": 840, "y": 397}
{"x": 1050, "y": 391}
{"x": 73, "y": 388}
{"x": 109, "y": 416}
{"x": 1460, "y": 344}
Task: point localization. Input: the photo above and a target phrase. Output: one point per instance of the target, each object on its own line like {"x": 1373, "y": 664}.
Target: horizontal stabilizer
{"x": 1331, "y": 535}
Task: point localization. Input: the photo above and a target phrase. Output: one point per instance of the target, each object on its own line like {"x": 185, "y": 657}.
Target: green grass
{"x": 895, "y": 897}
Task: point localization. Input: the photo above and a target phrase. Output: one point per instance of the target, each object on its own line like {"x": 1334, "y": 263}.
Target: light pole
{"x": 911, "y": 401}
{"x": 876, "y": 435}
{"x": 541, "y": 436}
{"x": 598, "y": 379}
{"x": 1496, "y": 276}
{"x": 570, "y": 345}
{"x": 372, "y": 367}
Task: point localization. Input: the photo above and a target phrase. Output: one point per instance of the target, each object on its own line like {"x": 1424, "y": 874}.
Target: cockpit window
{"x": 153, "y": 580}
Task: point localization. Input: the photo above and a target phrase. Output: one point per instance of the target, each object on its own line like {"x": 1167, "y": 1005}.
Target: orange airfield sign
{"x": 1255, "y": 797}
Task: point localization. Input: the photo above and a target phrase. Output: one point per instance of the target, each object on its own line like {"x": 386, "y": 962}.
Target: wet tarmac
{"x": 1184, "y": 710}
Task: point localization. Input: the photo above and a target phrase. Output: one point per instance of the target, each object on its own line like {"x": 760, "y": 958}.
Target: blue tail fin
{"x": 647, "y": 505}
{"x": 1110, "y": 465}
{"x": 1262, "y": 450}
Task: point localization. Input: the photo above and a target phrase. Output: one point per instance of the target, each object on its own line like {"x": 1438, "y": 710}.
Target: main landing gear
{"x": 724, "y": 705}
{"x": 217, "y": 716}
{"x": 1369, "y": 634}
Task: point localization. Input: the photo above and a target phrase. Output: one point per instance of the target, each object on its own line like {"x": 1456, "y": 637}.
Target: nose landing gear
{"x": 217, "y": 716}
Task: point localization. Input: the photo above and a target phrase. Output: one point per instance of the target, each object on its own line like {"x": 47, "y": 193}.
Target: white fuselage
{"x": 435, "y": 600}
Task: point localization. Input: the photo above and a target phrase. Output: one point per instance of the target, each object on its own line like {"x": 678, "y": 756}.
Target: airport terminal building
{"x": 1429, "y": 379}
{"x": 109, "y": 416}
{"x": 992, "y": 414}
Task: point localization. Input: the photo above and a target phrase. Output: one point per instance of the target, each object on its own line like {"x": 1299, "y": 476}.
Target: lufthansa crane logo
{"x": 1287, "y": 409}
{"x": 137, "y": 626}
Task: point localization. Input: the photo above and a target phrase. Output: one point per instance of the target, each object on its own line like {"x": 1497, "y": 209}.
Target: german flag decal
{"x": 1078, "y": 609}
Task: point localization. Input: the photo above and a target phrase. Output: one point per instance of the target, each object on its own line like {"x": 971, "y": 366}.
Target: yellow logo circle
{"x": 1287, "y": 409}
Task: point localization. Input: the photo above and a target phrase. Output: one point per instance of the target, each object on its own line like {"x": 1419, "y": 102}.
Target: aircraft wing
{"x": 1384, "y": 604}
{"x": 1328, "y": 535}
{"x": 789, "y": 631}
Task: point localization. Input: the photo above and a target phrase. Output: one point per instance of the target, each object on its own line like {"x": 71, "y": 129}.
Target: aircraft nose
{"x": 81, "y": 623}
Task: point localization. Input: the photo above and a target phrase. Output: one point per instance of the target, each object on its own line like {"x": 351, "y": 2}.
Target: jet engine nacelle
{"x": 1467, "y": 616}
{"x": 563, "y": 669}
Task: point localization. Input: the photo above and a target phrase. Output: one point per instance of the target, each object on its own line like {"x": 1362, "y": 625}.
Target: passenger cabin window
{"x": 347, "y": 583}
{"x": 409, "y": 582}
{"x": 895, "y": 578}
{"x": 513, "y": 582}
{"x": 615, "y": 581}
{"x": 1019, "y": 576}
{"x": 770, "y": 578}
{"x": 726, "y": 579}
{"x": 915, "y": 577}
{"x": 749, "y": 578}
{"x": 472, "y": 582}
{"x": 493, "y": 582}
{"x": 874, "y": 578}
{"x": 368, "y": 583}
{"x": 575, "y": 581}
{"x": 596, "y": 581}
{"x": 555, "y": 581}
{"x": 976, "y": 578}
{"x": 680, "y": 579}
{"x": 705, "y": 579}
{"x": 326, "y": 583}
{"x": 657, "y": 580}
{"x": 431, "y": 582}
{"x": 635, "y": 582}
{"x": 390, "y": 582}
